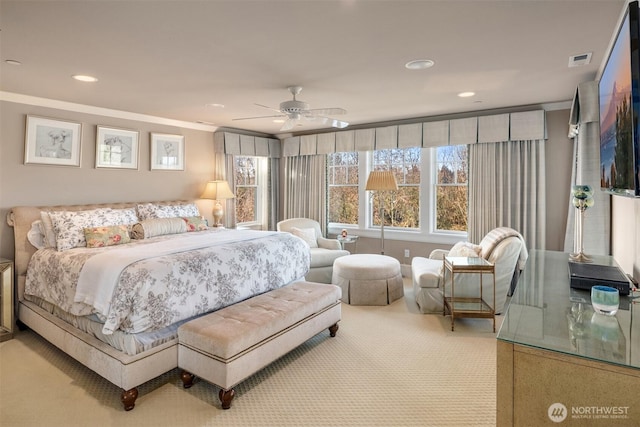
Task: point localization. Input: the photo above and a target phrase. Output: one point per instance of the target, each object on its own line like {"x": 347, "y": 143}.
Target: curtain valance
{"x": 528, "y": 125}
{"x": 246, "y": 145}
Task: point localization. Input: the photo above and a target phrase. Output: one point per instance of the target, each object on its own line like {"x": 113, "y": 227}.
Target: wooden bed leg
{"x": 333, "y": 329}
{"x": 187, "y": 379}
{"x": 226, "y": 396}
{"x": 128, "y": 398}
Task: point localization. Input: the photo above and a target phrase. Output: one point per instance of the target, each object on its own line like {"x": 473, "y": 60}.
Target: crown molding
{"x": 100, "y": 111}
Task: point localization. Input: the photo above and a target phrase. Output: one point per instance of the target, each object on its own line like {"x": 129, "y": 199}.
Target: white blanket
{"x": 99, "y": 275}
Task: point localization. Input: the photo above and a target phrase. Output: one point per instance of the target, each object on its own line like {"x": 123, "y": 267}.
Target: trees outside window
{"x": 451, "y": 188}
{"x": 402, "y": 207}
{"x": 343, "y": 176}
{"x": 431, "y": 197}
{"x": 246, "y": 182}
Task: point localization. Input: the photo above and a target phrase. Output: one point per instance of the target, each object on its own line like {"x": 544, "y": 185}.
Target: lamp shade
{"x": 217, "y": 190}
{"x": 381, "y": 181}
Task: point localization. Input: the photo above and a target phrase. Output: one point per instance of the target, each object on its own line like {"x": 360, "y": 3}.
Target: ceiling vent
{"x": 579, "y": 60}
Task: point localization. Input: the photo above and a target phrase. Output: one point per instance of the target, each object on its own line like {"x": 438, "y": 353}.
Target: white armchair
{"x": 323, "y": 251}
{"x": 503, "y": 247}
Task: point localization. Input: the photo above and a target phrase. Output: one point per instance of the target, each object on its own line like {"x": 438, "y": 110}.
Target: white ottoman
{"x": 368, "y": 279}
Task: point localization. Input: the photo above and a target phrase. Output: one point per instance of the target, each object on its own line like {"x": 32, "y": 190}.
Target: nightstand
{"x": 6, "y": 299}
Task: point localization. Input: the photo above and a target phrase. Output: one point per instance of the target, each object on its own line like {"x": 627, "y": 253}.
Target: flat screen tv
{"x": 619, "y": 93}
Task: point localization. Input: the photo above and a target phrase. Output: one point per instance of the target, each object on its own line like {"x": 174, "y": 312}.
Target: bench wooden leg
{"x": 226, "y": 396}
{"x": 187, "y": 379}
{"x": 128, "y": 398}
{"x": 333, "y": 329}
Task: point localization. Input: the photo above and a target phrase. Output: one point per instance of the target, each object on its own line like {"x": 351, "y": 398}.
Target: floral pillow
{"x": 69, "y": 225}
{"x": 195, "y": 223}
{"x": 98, "y": 237}
{"x": 152, "y": 210}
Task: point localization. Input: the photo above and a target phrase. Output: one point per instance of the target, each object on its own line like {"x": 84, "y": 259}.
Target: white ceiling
{"x": 171, "y": 58}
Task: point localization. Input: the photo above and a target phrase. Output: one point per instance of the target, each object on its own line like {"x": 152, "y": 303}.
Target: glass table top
{"x": 546, "y": 313}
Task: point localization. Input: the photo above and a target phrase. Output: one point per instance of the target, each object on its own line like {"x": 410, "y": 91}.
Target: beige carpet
{"x": 387, "y": 366}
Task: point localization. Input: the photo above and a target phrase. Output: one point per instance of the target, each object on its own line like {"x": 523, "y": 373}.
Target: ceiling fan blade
{"x": 269, "y": 108}
{"x": 335, "y": 123}
{"x": 289, "y": 124}
{"x": 260, "y": 117}
{"x": 327, "y": 111}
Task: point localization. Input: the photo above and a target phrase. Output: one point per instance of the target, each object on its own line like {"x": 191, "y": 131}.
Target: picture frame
{"x": 117, "y": 148}
{"x": 167, "y": 152}
{"x": 52, "y": 142}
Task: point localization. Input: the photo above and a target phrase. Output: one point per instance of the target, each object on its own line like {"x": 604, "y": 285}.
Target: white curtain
{"x": 507, "y": 189}
{"x": 273, "y": 192}
{"x": 228, "y": 172}
{"x": 584, "y": 128}
{"x": 305, "y": 188}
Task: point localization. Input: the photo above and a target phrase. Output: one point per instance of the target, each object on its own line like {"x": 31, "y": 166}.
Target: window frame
{"x": 427, "y": 231}
{"x": 261, "y": 192}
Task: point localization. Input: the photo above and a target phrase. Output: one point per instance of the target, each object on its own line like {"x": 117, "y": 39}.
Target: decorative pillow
{"x": 306, "y": 234}
{"x": 97, "y": 237}
{"x": 126, "y": 216}
{"x": 35, "y": 236}
{"x": 195, "y": 223}
{"x": 158, "y": 227}
{"x": 47, "y": 230}
{"x": 69, "y": 226}
{"x": 146, "y": 211}
{"x": 465, "y": 249}
{"x": 152, "y": 210}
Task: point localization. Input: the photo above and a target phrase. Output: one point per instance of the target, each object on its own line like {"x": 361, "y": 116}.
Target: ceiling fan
{"x": 295, "y": 111}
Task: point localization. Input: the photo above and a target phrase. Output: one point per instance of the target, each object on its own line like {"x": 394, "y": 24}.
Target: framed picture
{"x": 116, "y": 148}
{"x": 52, "y": 142}
{"x": 167, "y": 152}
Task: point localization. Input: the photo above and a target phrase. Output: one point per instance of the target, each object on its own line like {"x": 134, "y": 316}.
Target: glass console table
{"x": 557, "y": 358}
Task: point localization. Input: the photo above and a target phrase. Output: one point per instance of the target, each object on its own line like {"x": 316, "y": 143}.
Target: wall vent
{"x": 579, "y": 60}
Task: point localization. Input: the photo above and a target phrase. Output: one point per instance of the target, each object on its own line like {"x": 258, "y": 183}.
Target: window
{"x": 402, "y": 208}
{"x": 249, "y": 189}
{"x": 431, "y": 199}
{"x": 343, "y": 177}
{"x": 451, "y": 188}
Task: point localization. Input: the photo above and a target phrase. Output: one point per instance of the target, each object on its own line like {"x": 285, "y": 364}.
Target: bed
{"x": 109, "y": 284}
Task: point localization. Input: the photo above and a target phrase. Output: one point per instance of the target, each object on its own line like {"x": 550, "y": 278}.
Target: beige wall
{"x": 22, "y": 184}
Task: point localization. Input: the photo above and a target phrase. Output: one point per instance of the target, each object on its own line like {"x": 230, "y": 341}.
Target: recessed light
{"x": 215, "y": 105}
{"x": 13, "y": 62}
{"x": 466, "y": 94}
{"x": 278, "y": 121}
{"x": 83, "y": 78}
{"x": 419, "y": 64}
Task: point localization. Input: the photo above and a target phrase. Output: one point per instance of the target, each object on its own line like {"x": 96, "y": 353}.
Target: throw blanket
{"x": 497, "y": 235}
{"x": 99, "y": 276}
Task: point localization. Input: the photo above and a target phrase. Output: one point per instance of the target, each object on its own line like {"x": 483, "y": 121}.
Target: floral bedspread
{"x": 156, "y": 292}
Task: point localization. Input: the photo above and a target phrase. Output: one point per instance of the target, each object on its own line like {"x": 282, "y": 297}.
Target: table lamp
{"x": 381, "y": 181}
{"x": 217, "y": 190}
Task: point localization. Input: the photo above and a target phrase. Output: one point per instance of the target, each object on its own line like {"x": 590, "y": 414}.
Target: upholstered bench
{"x": 368, "y": 279}
{"x": 227, "y": 346}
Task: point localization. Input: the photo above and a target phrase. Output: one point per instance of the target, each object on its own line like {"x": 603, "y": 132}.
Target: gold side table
{"x": 6, "y": 299}
{"x": 468, "y": 306}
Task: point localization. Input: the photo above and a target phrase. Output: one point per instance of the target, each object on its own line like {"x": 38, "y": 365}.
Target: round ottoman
{"x": 368, "y": 279}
